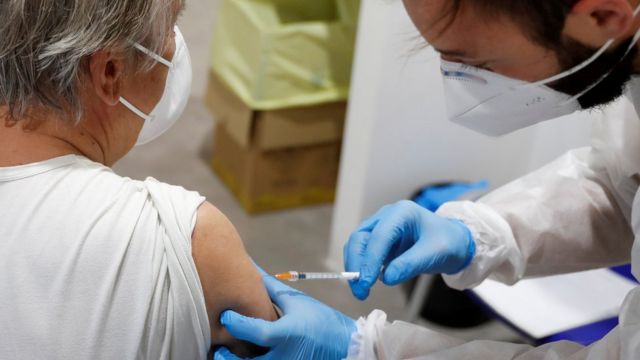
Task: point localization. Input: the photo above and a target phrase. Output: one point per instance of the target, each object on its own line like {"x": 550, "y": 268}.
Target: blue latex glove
{"x": 308, "y": 329}
{"x": 407, "y": 240}
{"x": 435, "y": 196}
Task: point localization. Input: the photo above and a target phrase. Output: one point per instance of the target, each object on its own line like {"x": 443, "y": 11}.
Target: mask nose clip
{"x": 461, "y": 75}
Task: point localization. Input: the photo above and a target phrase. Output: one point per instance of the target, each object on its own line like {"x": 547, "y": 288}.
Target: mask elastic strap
{"x": 574, "y": 70}
{"x": 157, "y": 58}
{"x": 587, "y": 62}
{"x": 135, "y": 110}
{"x": 636, "y": 37}
{"x": 153, "y": 55}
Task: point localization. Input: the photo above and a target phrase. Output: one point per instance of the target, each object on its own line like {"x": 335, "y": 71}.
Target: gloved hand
{"x": 433, "y": 197}
{"x": 308, "y": 329}
{"x": 407, "y": 240}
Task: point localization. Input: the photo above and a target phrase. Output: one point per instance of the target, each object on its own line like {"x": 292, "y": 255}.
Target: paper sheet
{"x": 547, "y": 306}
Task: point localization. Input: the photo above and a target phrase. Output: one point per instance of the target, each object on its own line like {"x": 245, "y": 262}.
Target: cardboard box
{"x": 277, "y": 179}
{"x": 275, "y": 129}
{"x": 276, "y": 159}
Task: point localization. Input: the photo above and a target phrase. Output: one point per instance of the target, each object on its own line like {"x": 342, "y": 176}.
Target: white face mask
{"x": 496, "y": 105}
{"x": 176, "y": 92}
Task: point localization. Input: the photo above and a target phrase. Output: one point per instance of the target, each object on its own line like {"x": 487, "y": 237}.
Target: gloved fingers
{"x": 354, "y": 252}
{"x": 225, "y": 354}
{"x": 479, "y": 185}
{"x": 384, "y": 238}
{"x": 256, "y": 331}
{"x": 275, "y": 288}
{"x": 447, "y": 251}
{"x": 469, "y": 190}
{"x": 369, "y": 224}
{"x": 281, "y": 294}
{"x": 411, "y": 263}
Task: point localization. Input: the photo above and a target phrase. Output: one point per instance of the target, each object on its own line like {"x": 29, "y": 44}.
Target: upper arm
{"x": 229, "y": 278}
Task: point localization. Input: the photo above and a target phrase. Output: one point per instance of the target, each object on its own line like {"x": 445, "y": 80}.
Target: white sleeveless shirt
{"x": 97, "y": 266}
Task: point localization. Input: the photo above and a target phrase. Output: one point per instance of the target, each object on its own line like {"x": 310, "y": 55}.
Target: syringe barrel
{"x": 327, "y": 275}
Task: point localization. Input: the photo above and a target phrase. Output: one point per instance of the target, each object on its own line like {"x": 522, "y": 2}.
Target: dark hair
{"x": 541, "y": 20}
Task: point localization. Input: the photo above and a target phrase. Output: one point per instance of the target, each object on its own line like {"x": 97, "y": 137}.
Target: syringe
{"x": 295, "y": 276}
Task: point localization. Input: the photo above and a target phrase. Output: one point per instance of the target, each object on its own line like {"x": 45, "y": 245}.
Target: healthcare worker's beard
{"x": 620, "y": 69}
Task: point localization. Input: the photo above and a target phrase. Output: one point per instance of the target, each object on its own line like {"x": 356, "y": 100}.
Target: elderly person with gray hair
{"x": 94, "y": 265}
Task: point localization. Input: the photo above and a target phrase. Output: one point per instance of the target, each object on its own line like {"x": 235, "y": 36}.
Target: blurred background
{"x": 307, "y": 116}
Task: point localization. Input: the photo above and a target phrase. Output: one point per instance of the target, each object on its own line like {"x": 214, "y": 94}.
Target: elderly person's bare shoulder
{"x": 92, "y": 264}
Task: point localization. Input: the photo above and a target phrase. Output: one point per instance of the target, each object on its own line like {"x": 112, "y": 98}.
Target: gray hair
{"x": 43, "y": 44}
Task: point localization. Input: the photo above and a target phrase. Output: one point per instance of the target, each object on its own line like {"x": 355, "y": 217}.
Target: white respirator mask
{"x": 175, "y": 96}
{"x": 497, "y": 105}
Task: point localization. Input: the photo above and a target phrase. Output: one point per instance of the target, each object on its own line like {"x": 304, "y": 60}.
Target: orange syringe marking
{"x": 288, "y": 276}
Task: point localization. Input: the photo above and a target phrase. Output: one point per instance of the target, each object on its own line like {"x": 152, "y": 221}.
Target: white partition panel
{"x": 398, "y": 139}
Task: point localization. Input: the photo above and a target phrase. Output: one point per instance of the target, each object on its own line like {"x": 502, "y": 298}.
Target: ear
{"x": 106, "y": 70}
{"x": 593, "y": 22}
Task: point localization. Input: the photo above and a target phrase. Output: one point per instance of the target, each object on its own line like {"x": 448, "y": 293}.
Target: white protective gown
{"x": 578, "y": 213}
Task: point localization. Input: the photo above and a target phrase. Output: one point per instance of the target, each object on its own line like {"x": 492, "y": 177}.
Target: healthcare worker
{"x": 507, "y": 64}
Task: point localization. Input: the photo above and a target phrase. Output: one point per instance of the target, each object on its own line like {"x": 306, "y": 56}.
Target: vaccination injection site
{"x": 320, "y": 179}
